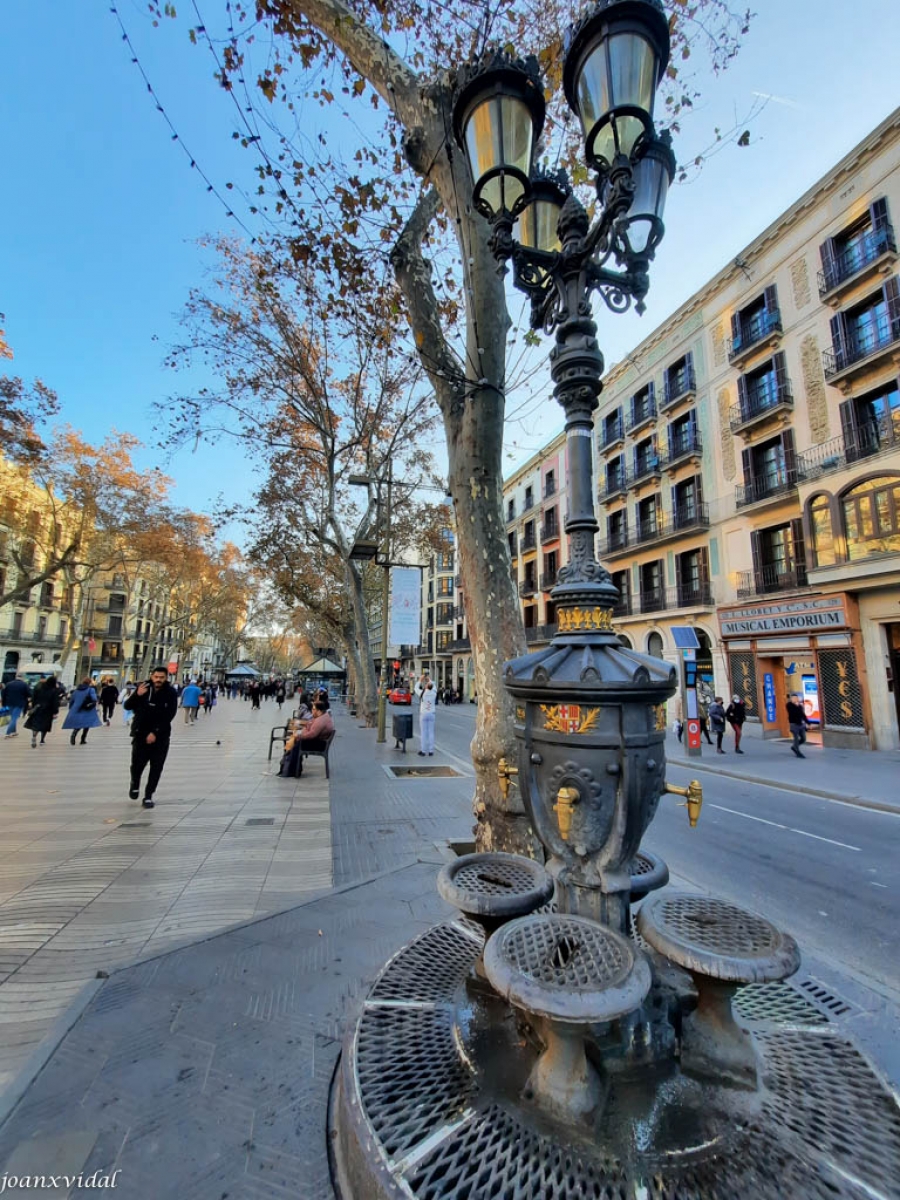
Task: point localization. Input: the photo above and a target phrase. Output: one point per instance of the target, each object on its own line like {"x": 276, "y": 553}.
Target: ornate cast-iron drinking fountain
{"x": 535, "y": 1051}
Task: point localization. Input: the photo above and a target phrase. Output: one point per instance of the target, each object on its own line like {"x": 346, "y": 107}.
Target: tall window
{"x": 615, "y": 473}
{"x": 617, "y": 530}
{"x": 872, "y": 517}
{"x": 820, "y": 525}
{"x": 648, "y": 516}
{"x": 856, "y": 246}
{"x": 871, "y": 422}
{"x": 550, "y": 483}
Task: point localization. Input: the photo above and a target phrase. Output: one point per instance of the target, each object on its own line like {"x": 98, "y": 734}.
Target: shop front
{"x": 809, "y": 646}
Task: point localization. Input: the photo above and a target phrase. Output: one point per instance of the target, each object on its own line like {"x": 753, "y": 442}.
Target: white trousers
{"x": 426, "y": 732}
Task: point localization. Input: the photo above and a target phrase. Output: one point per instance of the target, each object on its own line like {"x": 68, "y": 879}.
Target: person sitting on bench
{"x": 310, "y": 736}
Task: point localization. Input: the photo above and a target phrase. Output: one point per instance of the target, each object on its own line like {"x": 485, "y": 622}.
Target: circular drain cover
{"x": 495, "y": 885}
{"x": 566, "y": 968}
{"x": 716, "y": 938}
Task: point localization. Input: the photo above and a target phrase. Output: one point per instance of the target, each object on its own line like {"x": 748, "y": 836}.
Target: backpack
{"x": 89, "y": 705}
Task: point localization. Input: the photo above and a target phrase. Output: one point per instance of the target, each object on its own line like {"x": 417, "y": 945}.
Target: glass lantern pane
{"x": 632, "y": 72}
{"x": 492, "y": 193}
{"x": 537, "y": 226}
{"x": 517, "y": 133}
{"x": 592, "y": 91}
{"x": 513, "y": 191}
{"x": 483, "y": 138}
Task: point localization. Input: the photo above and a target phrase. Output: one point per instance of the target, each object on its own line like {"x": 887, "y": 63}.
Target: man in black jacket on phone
{"x": 154, "y": 705}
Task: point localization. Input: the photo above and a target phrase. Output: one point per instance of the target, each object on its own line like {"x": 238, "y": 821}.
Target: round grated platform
{"x": 564, "y": 952}
{"x": 715, "y": 938}
{"x": 495, "y": 885}
{"x": 420, "y": 1119}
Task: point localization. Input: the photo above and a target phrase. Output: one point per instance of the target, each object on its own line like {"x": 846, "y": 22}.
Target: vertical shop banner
{"x": 769, "y": 695}
{"x": 406, "y": 587}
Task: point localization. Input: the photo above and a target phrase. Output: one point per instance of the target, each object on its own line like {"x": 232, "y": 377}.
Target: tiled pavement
{"x": 89, "y": 881}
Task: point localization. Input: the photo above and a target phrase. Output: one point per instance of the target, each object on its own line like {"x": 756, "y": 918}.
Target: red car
{"x": 400, "y": 695}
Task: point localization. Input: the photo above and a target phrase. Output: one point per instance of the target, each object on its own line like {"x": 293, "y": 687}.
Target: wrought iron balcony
{"x": 510, "y": 513}
{"x": 683, "y": 449}
{"x": 622, "y": 607}
{"x": 765, "y": 487}
{"x": 855, "y": 261}
{"x": 460, "y": 644}
{"x": 641, "y": 415}
{"x": 646, "y": 468}
{"x": 459, "y": 613}
{"x": 549, "y": 488}
{"x": 765, "y": 400}
{"x": 652, "y": 599}
{"x": 528, "y": 505}
{"x": 529, "y": 542}
{"x": 548, "y": 580}
{"x": 550, "y": 531}
{"x": 513, "y": 546}
{"x": 527, "y": 587}
{"x": 763, "y": 327}
{"x": 679, "y": 387}
{"x": 868, "y": 440}
{"x": 861, "y": 349}
{"x": 613, "y": 435}
{"x": 687, "y": 518}
{"x": 616, "y": 485}
{"x": 690, "y": 595}
{"x": 787, "y": 577}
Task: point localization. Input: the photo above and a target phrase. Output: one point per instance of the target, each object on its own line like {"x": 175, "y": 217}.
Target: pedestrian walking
{"x": 717, "y": 721}
{"x": 208, "y": 699}
{"x": 679, "y": 717}
{"x": 190, "y": 702}
{"x": 82, "y": 715}
{"x": 736, "y": 715}
{"x": 280, "y": 695}
{"x": 798, "y": 721}
{"x": 427, "y": 706}
{"x": 154, "y": 704}
{"x": 255, "y": 691}
{"x": 703, "y": 714}
{"x": 16, "y": 697}
{"x": 44, "y": 707}
{"x": 109, "y": 697}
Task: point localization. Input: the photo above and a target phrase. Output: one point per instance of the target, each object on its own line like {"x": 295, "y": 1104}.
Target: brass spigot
{"x": 693, "y": 794}
{"x": 506, "y": 772}
{"x": 566, "y": 799}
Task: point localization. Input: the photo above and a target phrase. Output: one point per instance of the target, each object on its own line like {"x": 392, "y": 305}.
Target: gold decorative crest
{"x": 573, "y": 620}
{"x": 520, "y": 713}
{"x": 660, "y": 712}
{"x": 569, "y": 718}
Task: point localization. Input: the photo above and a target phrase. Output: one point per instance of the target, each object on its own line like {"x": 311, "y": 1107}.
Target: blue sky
{"x": 101, "y": 214}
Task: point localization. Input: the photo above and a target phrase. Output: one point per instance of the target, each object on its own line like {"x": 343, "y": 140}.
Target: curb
{"x": 842, "y": 797}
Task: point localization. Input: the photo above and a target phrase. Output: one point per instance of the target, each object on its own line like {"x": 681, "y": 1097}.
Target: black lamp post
{"x": 590, "y": 715}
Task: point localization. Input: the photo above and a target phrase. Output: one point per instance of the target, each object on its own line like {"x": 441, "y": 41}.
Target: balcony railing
{"x": 615, "y": 486}
{"x": 755, "y": 329}
{"x": 612, "y": 434}
{"x": 460, "y": 644}
{"x": 685, "y": 595}
{"x": 510, "y": 513}
{"x": 529, "y": 542}
{"x": 640, "y": 415}
{"x": 763, "y": 400}
{"x": 786, "y": 577}
{"x": 549, "y": 488}
{"x": 854, "y": 259}
{"x": 646, "y": 468}
{"x": 869, "y": 439}
{"x": 548, "y": 580}
{"x": 550, "y": 531}
{"x": 690, "y": 516}
{"x": 459, "y": 613}
{"x": 527, "y": 587}
{"x": 765, "y": 487}
{"x": 874, "y": 338}
{"x": 622, "y": 607}
{"x": 679, "y": 386}
{"x": 513, "y": 546}
{"x": 684, "y": 447}
{"x": 528, "y": 504}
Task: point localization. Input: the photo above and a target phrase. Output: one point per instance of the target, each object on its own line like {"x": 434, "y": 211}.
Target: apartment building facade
{"x": 748, "y": 464}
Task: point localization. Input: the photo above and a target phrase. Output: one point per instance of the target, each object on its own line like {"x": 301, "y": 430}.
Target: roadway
{"x": 823, "y": 870}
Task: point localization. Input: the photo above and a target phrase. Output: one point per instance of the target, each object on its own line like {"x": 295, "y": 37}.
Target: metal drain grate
{"x": 409, "y": 1076}
{"x": 430, "y": 969}
{"x": 260, "y": 821}
{"x": 495, "y": 1155}
{"x": 775, "y": 1004}
{"x": 823, "y": 1091}
{"x": 834, "y": 1004}
{"x": 422, "y": 772}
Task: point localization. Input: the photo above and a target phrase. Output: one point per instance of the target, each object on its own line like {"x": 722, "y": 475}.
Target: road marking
{"x": 788, "y": 828}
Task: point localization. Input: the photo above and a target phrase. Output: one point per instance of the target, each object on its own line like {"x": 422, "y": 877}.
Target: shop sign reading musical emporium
{"x": 792, "y": 616}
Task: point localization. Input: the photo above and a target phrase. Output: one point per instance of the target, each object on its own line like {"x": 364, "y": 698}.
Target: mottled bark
{"x": 366, "y": 696}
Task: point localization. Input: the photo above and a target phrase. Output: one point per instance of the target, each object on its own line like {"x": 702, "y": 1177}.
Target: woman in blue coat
{"x": 82, "y": 712}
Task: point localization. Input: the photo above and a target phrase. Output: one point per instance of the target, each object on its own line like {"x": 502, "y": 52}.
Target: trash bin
{"x": 402, "y": 729}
